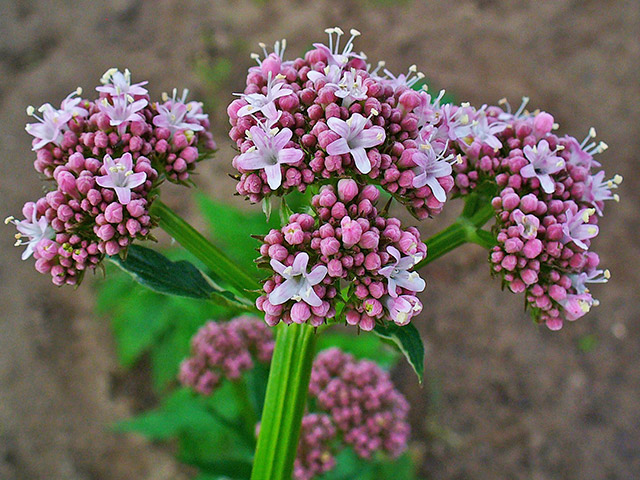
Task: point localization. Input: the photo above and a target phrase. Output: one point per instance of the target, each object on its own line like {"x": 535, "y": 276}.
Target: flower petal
{"x": 363, "y": 164}
{"x": 127, "y": 162}
{"x": 339, "y": 126}
{"x": 300, "y": 263}
{"x": 274, "y": 176}
{"x": 310, "y": 296}
{"x": 278, "y": 267}
{"x": 290, "y": 155}
{"x": 317, "y": 275}
{"x": 105, "y": 181}
{"x": 371, "y": 137}
{"x": 252, "y": 161}
{"x": 437, "y": 189}
{"x": 136, "y": 179}
{"x": 282, "y": 138}
{"x": 124, "y": 194}
{"x": 283, "y": 292}
{"x": 338, "y": 147}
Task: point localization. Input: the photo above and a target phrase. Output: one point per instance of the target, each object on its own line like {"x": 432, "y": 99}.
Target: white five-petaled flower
{"x": 597, "y": 190}
{"x": 116, "y": 83}
{"x": 174, "y": 115}
{"x": 482, "y": 132}
{"x": 544, "y": 163}
{"x": 120, "y": 177}
{"x": 257, "y": 102}
{"x": 397, "y": 273}
{"x": 350, "y": 88}
{"x": 298, "y": 284}
{"x": 35, "y": 230}
{"x": 269, "y": 154}
{"x": 331, "y": 74}
{"x": 577, "y": 229}
{"x": 50, "y": 126}
{"x": 354, "y": 138}
{"x": 71, "y": 104}
{"x": 430, "y": 167}
{"x": 122, "y": 111}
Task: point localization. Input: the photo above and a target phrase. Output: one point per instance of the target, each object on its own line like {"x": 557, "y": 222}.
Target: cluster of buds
{"x": 331, "y": 115}
{"x": 547, "y": 206}
{"x": 104, "y": 159}
{"x": 348, "y": 247}
{"x": 360, "y": 404}
{"x": 354, "y": 402}
{"x": 225, "y": 350}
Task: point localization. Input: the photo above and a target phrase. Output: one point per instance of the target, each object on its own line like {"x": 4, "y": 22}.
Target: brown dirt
{"x": 505, "y": 399}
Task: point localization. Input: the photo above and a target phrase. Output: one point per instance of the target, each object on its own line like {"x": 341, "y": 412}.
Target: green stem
{"x": 204, "y": 250}
{"x": 285, "y": 402}
{"x": 466, "y": 229}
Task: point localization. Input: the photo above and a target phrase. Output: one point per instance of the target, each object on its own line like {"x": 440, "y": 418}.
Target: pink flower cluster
{"x": 353, "y": 249}
{"x": 547, "y": 207}
{"x": 316, "y": 447}
{"x": 225, "y": 350}
{"x": 330, "y": 115}
{"x": 105, "y": 159}
{"x": 363, "y": 407}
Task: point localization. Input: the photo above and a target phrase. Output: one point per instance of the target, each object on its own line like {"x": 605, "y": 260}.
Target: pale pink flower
{"x": 120, "y": 177}
{"x": 355, "y": 139}
{"x": 298, "y": 284}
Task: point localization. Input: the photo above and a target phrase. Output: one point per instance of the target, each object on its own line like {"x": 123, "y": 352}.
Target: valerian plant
{"x": 331, "y": 141}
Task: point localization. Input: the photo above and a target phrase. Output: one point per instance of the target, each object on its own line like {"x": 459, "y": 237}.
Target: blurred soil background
{"x": 504, "y": 399}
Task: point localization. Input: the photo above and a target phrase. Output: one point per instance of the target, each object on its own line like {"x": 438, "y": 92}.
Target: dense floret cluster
{"x": 348, "y": 247}
{"x": 331, "y": 115}
{"x": 225, "y": 350}
{"x": 104, "y": 159}
{"x": 549, "y": 197}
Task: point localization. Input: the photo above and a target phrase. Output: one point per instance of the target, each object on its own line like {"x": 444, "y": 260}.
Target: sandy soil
{"x": 505, "y": 399}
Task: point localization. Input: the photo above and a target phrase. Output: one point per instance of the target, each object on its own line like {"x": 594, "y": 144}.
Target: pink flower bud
{"x": 329, "y": 246}
{"x": 113, "y": 213}
{"x": 300, "y": 312}
{"x": 532, "y": 248}
{"x": 542, "y": 124}
{"x": 370, "y": 240}
{"x": 334, "y": 268}
{"x": 347, "y": 190}
{"x": 351, "y": 231}
{"x": 372, "y": 261}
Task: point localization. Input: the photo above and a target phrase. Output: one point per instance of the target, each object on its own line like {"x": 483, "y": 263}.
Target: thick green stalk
{"x": 204, "y": 250}
{"x": 285, "y": 402}
{"x": 466, "y": 229}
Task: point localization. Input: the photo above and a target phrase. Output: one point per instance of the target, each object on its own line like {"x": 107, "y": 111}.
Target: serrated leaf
{"x": 408, "y": 340}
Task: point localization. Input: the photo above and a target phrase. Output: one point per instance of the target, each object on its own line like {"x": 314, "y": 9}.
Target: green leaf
{"x": 408, "y": 340}
{"x": 157, "y": 272}
{"x": 181, "y": 278}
